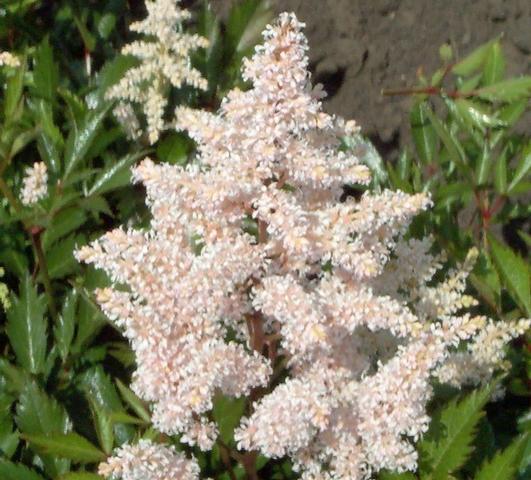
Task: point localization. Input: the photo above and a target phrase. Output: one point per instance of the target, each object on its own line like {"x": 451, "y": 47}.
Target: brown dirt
{"x": 359, "y": 47}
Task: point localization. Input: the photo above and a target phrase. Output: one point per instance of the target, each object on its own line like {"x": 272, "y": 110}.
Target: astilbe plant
{"x": 164, "y": 56}
{"x": 256, "y": 280}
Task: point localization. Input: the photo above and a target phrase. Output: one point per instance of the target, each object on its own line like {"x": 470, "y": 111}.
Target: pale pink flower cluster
{"x": 254, "y": 266}
{"x": 164, "y": 56}
{"x": 34, "y": 184}
{"x": 9, "y": 60}
{"x": 149, "y": 461}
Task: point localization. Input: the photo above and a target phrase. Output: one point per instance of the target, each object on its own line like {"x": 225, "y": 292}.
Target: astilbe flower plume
{"x": 331, "y": 290}
{"x": 164, "y": 56}
{"x": 34, "y": 184}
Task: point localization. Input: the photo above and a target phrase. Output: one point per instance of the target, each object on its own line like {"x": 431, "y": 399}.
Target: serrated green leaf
{"x": 12, "y": 471}
{"x": 133, "y": 401}
{"x": 452, "y": 144}
{"x": 99, "y": 388}
{"x": 16, "y": 378}
{"x": 71, "y": 446}
{"x": 485, "y": 279}
{"x": 424, "y": 135}
{"x": 81, "y": 138}
{"x": 522, "y": 169}
{"x": 45, "y": 72}
{"x": 39, "y": 414}
{"x": 26, "y": 327}
{"x": 8, "y": 438}
{"x": 514, "y": 271}
{"x": 476, "y": 115}
{"x": 507, "y": 90}
{"x": 90, "y": 321}
{"x": 504, "y": 464}
{"x": 449, "y": 442}
{"x": 115, "y": 175}
{"x": 103, "y": 424}
{"x": 60, "y": 258}
{"x": 66, "y": 324}
{"x": 494, "y": 69}
{"x": 62, "y": 224}
{"x": 77, "y": 108}
{"x": 474, "y": 61}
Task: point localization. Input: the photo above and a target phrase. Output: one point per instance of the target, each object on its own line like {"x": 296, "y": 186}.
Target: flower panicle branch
{"x": 336, "y": 289}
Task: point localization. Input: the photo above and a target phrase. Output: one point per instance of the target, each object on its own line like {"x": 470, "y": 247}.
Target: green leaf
{"x": 67, "y": 445}
{"x": 476, "y": 115}
{"x": 60, "y": 258}
{"x": 367, "y": 153}
{"x": 13, "y": 91}
{"x": 424, "y": 135}
{"x": 483, "y": 165}
{"x": 384, "y": 475}
{"x": 474, "y": 61}
{"x": 99, "y": 388}
{"x": 77, "y": 108}
{"x": 122, "y": 417}
{"x": 49, "y": 139}
{"x": 81, "y": 476}
{"x": 45, "y": 72}
{"x": 514, "y": 271}
{"x": 66, "y": 324}
{"x": 449, "y": 442}
{"x": 522, "y": 170}
{"x": 174, "y": 148}
{"x": 39, "y": 414}
{"x": 485, "y": 279}
{"x": 88, "y": 39}
{"x": 103, "y": 423}
{"x": 500, "y": 173}
{"x": 16, "y": 378}
{"x": 454, "y": 148}
{"x": 133, "y": 401}
{"x": 26, "y": 327}
{"x": 227, "y": 413}
{"x": 494, "y": 69}
{"x": 115, "y": 175}
{"x": 507, "y": 90}
{"x": 81, "y": 138}
{"x": 246, "y": 22}
{"x": 8, "y": 438}
{"x": 12, "y": 471}
{"x": 106, "y": 25}
{"x": 110, "y": 74}
{"x": 62, "y": 224}
{"x": 90, "y": 321}
{"x": 504, "y": 464}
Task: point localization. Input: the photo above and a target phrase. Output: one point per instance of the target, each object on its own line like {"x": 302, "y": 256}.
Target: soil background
{"x": 359, "y": 47}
